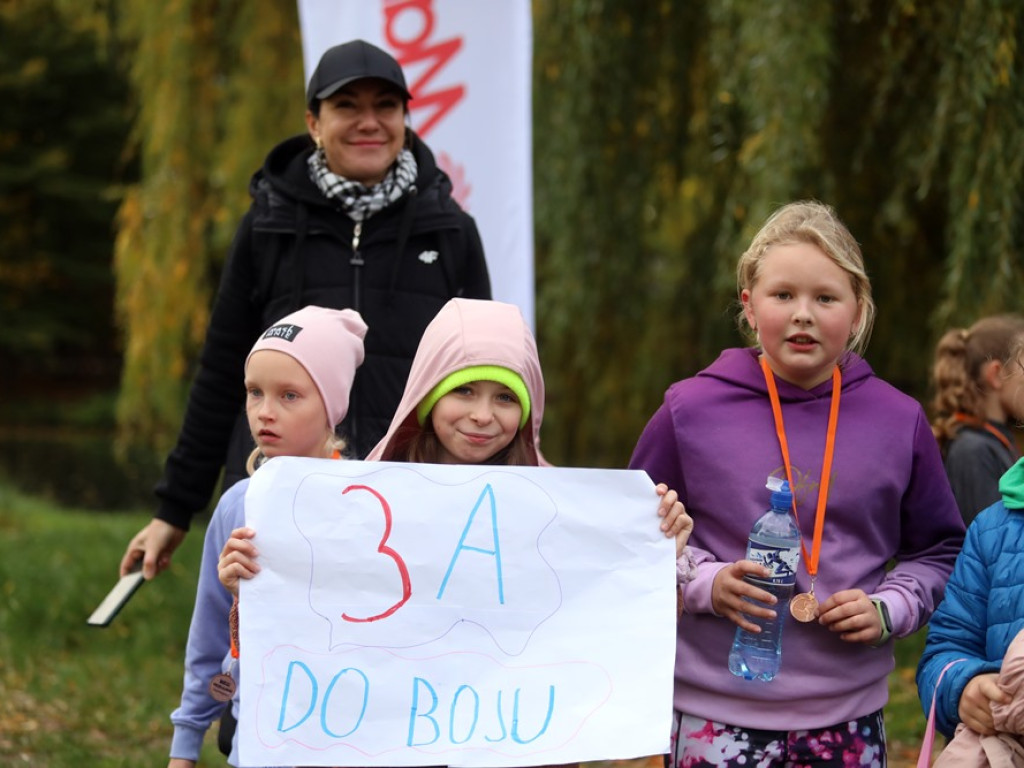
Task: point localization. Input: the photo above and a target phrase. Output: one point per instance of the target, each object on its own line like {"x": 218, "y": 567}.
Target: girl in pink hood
{"x": 475, "y": 393}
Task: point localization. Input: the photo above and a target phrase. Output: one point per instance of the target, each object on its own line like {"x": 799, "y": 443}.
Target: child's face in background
{"x": 286, "y": 414}
{"x": 475, "y": 421}
{"x": 1011, "y": 394}
{"x": 804, "y": 310}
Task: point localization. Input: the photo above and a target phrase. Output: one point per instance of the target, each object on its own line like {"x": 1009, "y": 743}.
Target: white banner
{"x": 468, "y": 66}
{"x": 415, "y": 614}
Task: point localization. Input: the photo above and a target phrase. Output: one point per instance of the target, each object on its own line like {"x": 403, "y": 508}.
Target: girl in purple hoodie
{"x": 879, "y": 525}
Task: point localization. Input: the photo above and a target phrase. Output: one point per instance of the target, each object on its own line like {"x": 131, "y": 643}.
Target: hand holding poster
{"x": 410, "y": 614}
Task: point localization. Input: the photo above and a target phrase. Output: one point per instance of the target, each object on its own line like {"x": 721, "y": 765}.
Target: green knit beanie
{"x": 496, "y": 373}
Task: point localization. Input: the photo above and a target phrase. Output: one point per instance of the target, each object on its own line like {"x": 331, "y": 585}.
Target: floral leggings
{"x": 697, "y": 743}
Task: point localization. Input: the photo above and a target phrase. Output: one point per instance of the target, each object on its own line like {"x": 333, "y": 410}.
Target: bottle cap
{"x": 782, "y": 498}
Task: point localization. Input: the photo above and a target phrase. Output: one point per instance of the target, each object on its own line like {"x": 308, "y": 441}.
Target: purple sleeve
{"x": 657, "y": 452}
{"x": 209, "y": 638}
{"x": 932, "y": 533}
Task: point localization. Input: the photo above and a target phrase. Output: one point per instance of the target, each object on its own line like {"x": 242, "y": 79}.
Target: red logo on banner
{"x": 457, "y": 173}
{"x": 420, "y": 49}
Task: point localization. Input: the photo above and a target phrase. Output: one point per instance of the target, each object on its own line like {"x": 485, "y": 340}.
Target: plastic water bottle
{"x": 775, "y": 543}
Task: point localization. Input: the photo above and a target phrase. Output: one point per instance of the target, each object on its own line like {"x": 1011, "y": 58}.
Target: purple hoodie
{"x": 713, "y": 440}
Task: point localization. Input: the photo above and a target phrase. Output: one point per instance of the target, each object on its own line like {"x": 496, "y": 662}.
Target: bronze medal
{"x": 804, "y": 607}
{"x": 222, "y": 687}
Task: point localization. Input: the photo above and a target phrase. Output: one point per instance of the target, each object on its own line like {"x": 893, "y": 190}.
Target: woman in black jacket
{"x": 355, "y": 214}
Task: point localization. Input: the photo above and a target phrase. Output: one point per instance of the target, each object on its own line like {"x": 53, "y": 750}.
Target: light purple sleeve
{"x": 932, "y": 535}
{"x": 208, "y": 652}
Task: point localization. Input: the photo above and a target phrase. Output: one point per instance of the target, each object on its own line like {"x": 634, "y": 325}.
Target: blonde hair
{"x": 332, "y": 444}
{"x": 957, "y": 371}
{"x": 808, "y": 221}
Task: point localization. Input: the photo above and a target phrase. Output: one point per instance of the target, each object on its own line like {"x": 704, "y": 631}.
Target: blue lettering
{"x": 476, "y": 715}
{"x": 362, "y": 709}
{"x": 501, "y": 722}
{"x": 284, "y": 697}
{"x": 487, "y": 492}
{"x": 414, "y": 713}
{"x": 547, "y": 718}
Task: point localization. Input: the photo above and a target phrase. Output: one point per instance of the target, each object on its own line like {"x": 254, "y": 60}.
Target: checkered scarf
{"x": 359, "y": 201}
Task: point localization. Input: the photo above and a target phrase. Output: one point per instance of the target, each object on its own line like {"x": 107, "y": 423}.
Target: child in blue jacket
{"x": 982, "y": 612}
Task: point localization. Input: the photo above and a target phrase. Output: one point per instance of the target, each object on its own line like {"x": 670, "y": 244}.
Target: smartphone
{"x": 117, "y": 597}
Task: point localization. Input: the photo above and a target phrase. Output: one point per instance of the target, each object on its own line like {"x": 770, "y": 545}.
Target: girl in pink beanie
{"x": 312, "y": 351}
{"x": 298, "y": 376}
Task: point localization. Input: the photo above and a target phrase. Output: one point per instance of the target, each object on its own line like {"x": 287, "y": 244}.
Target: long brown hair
{"x": 957, "y": 378}
{"x": 421, "y": 444}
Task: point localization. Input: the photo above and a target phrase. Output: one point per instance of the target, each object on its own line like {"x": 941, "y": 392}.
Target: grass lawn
{"x": 72, "y": 695}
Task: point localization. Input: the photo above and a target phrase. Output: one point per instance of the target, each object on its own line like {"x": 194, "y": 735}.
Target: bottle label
{"x": 781, "y": 561}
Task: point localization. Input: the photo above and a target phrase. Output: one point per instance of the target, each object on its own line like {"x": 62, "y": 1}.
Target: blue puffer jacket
{"x": 983, "y": 609}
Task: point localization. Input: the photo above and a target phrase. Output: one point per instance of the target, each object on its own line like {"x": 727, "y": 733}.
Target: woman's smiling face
{"x": 804, "y": 310}
{"x": 361, "y": 127}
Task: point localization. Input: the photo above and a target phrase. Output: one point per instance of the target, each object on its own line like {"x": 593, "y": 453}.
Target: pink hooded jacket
{"x": 1006, "y": 748}
{"x": 465, "y": 333}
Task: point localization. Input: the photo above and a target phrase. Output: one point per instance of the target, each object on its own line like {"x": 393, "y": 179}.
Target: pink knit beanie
{"x": 328, "y": 343}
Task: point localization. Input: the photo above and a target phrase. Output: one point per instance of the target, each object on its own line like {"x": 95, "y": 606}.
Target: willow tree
{"x": 668, "y": 131}
{"x": 942, "y": 136}
{"x": 217, "y": 83}
{"x": 608, "y": 130}
{"x": 664, "y": 133}
{"x": 61, "y": 132}
{"x": 975, "y": 151}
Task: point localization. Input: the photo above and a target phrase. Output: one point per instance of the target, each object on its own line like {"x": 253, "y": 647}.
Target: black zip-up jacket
{"x": 296, "y": 247}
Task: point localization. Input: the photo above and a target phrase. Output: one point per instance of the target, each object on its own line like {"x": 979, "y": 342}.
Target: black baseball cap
{"x": 354, "y": 60}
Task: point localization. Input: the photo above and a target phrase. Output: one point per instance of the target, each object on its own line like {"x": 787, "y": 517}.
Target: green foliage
{"x": 940, "y": 149}
{"x": 217, "y": 83}
{"x": 61, "y": 135}
{"x": 71, "y": 694}
{"x": 665, "y": 132}
{"x": 981, "y": 86}
{"x": 669, "y": 131}
{"x": 604, "y": 112}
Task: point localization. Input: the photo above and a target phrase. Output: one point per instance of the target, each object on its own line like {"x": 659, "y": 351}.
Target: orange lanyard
{"x": 233, "y": 623}
{"x": 826, "y": 465}
{"x": 964, "y": 418}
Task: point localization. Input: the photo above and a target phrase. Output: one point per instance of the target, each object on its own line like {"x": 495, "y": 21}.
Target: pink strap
{"x": 924, "y": 760}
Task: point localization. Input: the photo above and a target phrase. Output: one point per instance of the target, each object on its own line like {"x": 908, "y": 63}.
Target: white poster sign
{"x": 468, "y": 66}
{"x": 413, "y": 614}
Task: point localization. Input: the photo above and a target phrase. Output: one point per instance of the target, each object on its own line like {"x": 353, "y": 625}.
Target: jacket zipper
{"x": 357, "y": 273}
{"x": 357, "y": 276}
